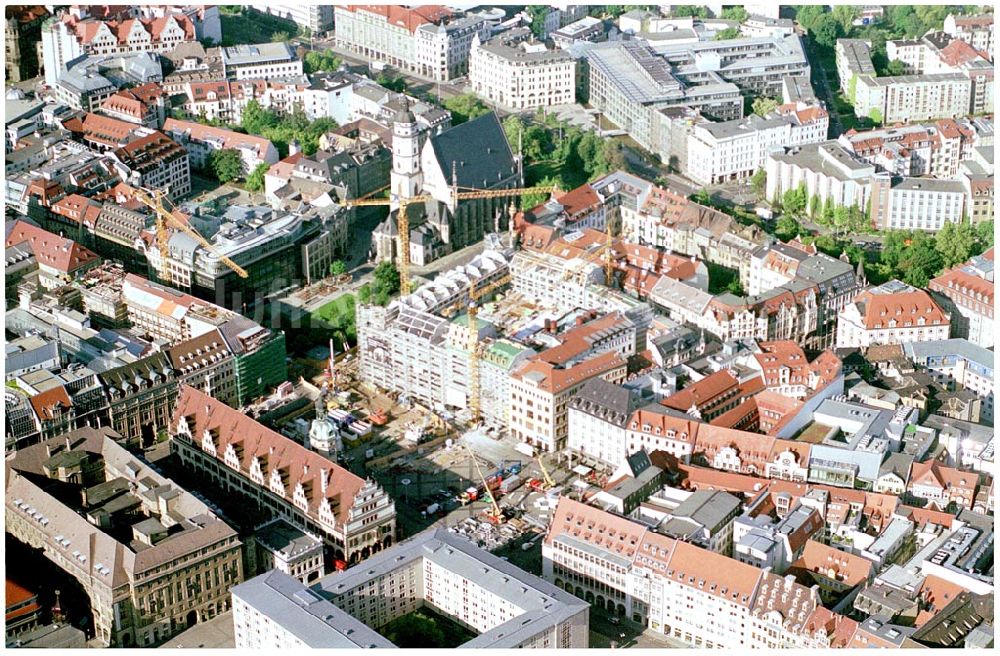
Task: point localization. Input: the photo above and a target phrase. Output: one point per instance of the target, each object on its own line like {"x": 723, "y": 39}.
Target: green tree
{"x": 281, "y": 36}
{"x": 465, "y": 107}
{"x": 391, "y": 82}
{"x": 316, "y": 61}
{"x": 826, "y": 30}
{"x": 531, "y": 201}
{"x": 226, "y": 164}
{"x": 808, "y": 15}
{"x": 735, "y": 12}
{"x": 683, "y": 11}
{"x": 955, "y": 242}
{"x": 875, "y": 115}
{"x": 827, "y": 244}
{"x": 895, "y": 67}
{"x": 787, "y": 228}
{"x": 386, "y": 279}
{"x": 727, "y": 34}
{"x": 794, "y": 201}
{"x": 758, "y": 182}
{"x": 734, "y": 287}
{"x": 921, "y": 261}
{"x": 845, "y": 15}
{"x": 415, "y": 631}
{"x": 337, "y": 268}
{"x": 537, "y": 13}
{"x": 256, "y": 119}
{"x": 815, "y": 205}
{"x": 764, "y": 105}
{"x": 255, "y": 181}
{"x": 365, "y": 294}
{"x": 984, "y": 234}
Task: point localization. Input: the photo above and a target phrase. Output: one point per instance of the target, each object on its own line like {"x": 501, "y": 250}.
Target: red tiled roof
{"x": 702, "y": 393}
{"x": 839, "y": 629}
{"x": 581, "y": 338}
{"x": 555, "y": 380}
{"x": 753, "y": 449}
{"x": 251, "y": 440}
{"x": 834, "y": 564}
{"x": 904, "y": 307}
{"x": 410, "y": 18}
{"x": 62, "y": 254}
{"x": 230, "y": 139}
{"x": 938, "y": 593}
{"x": 45, "y": 403}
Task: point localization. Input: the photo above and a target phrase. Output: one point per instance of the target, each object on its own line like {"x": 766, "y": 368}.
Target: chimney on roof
{"x": 270, "y": 451}
{"x": 305, "y": 470}
{"x": 324, "y": 480}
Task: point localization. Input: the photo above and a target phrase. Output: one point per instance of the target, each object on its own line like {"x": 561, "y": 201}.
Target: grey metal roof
{"x": 305, "y": 614}
{"x": 607, "y": 401}
{"x": 544, "y": 605}
{"x": 479, "y": 151}
{"x": 709, "y": 508}
{"x": 957, "y": 347}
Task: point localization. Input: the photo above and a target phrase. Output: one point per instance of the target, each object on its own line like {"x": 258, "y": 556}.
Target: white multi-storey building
{"x": 977, "y": 31}
{"x": 893, "y": 313}
{"x": 427, "y": 40}
{"x": 260, "y": 61}
{"x": 680, "y": 590}
{"x": 731, "y": 150}
{"x": 827, "y": 171}
{"x": 519, "y": 74}
{"x": 315, "y": 18}
{"x": 968, "y": 291}
{"x": 916, "y": 203}
{"x": 504, "y": 605}
{"x": 958, "y": 362}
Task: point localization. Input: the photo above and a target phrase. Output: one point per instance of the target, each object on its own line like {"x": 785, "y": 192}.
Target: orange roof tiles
{"x": 230, "y": 139}
{"x": 937, "y": 593}
{"x": 841, "y": 566}
{"x": 753, "y": 449}
{"x": 581, "y": 338}
{"x": 592, "y": 525}
{"x": 714, "y": 573}
{"x": 839, "y": 629}
{"x": 703, "y": 393}
{"x": 46, "y": 403}
{"x": 250, "y": 440}
{"x": 904, "y": 308}
{"x": 409, "y": 18}
{"x": 555, "y": 380}
{"x": 50, "y": 250}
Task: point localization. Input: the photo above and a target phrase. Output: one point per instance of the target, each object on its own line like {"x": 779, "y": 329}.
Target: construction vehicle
{"x": 403, "y": 221}
{"x": 549, "y": 483}
{"x": 165, "y": 219}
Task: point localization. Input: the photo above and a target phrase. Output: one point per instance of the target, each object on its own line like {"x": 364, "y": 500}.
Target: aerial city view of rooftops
{"x": 497, "y": 326}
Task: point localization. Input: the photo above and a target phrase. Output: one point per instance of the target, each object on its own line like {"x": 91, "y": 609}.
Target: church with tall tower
{"x": 472, "y": 156}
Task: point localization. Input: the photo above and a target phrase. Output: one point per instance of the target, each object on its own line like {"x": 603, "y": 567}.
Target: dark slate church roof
{"x": 480, "y": 151}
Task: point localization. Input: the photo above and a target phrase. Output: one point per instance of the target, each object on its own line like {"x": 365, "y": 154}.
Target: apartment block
{"x": 677, "y": 589}
{"x": 966, "y": 291}
{"x": 519, "y": 74}
{"x": 916, "y": 204}
{"x": 733, "y": 150}
{"x": 430, "y": 40}
{"x": 826, "y": 169}
{"x": 957, "y": 363}
{"x": 260, "y": 61}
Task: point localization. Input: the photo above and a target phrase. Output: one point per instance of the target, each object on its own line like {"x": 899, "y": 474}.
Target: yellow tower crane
{"x": 403, "y": 221}
{"x": 549, "y": 483}
{"x": 153, "y": 198}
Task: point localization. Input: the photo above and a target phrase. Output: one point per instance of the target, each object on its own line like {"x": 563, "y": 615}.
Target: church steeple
{"x": 406, "y": 179}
